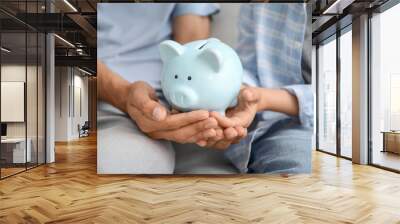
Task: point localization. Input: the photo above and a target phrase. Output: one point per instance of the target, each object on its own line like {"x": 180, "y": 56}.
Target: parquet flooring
{"x": 10, "y": 171}
{"x": 70, "y": 191}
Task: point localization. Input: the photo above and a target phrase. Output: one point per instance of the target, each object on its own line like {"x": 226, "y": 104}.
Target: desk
{"x": 17, "y": 152}
{"x": 391, "y": 141}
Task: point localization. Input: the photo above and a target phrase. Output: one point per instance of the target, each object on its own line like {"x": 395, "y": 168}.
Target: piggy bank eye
{"x": 189, "y": 77}
{"x": 176, "y": 76}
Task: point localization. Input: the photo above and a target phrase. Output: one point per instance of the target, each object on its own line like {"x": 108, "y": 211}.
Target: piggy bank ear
{"x": 170, "y": 49}
{"x": 212, "y": 58}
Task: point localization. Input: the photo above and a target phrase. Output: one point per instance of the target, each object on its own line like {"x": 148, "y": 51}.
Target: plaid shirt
{"x": 271, "y": 47}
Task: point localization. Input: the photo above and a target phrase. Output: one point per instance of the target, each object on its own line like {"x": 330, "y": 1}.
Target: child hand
{"x": 233, "y": 127}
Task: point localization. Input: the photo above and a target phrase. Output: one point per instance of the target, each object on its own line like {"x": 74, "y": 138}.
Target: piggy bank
{"x": 204, "y": 74}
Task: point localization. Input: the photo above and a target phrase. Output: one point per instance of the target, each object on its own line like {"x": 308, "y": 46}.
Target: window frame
{"x": 334, "y": 37}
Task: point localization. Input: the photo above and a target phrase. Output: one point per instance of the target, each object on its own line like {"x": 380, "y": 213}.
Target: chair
{"x": 84, "y": 130}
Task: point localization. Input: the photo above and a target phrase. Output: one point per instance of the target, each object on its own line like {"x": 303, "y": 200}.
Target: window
{"x": 346, "y": 93}
{"x": 385, "y": 88}
{"x": 327, "y": 96}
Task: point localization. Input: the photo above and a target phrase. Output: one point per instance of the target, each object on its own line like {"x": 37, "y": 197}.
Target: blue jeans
{"x": 284, "y": 148}
{"x": 275, "y": 145}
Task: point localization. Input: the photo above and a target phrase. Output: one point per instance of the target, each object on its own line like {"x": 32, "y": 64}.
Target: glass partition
{"x": 23, "y": 89}
{"x": 327, "y": 96}
{"x": 14, "y": 153}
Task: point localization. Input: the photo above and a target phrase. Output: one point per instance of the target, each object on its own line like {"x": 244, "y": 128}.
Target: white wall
{"x": 12, "y": 73}
{"x": 61, "y": 104}
{"x": 12, "y": 100}
{"x": 80, "y": 89}
{"x": 33, "y": 126}
{"x": 69, "y": 85}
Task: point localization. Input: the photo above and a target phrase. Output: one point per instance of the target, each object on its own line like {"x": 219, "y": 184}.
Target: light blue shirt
{"x": 128, "y": 35}
{"x": 271, "y": 48}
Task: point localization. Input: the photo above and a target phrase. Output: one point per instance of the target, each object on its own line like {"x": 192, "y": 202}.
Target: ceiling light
{"x": 84, "y": 71}
{"x": 337, "y": 7}
{"x": 79, "y": 51}
{"x": 65, "y": 41}
{"x": 70, "y": 5}
{"x": 5, "y": 50}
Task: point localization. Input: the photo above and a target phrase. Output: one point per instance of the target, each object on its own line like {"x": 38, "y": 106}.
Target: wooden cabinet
{"x": 391, "y": 142}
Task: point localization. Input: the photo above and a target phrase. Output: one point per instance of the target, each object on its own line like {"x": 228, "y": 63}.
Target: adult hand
{"x": 233, "y": 126}
{"x": 157, "y": 122}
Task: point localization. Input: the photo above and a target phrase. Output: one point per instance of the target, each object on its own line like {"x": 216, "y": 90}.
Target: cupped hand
{"x": 233, "y": 126}
{"x": 158, "y": 122}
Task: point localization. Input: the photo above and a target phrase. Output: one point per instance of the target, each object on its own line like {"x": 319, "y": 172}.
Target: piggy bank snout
{"x": 184, "y": 97}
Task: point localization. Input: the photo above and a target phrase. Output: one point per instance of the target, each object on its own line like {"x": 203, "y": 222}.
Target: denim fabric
{"x": 273, "y": 146}
{"x": 284, "y": 148}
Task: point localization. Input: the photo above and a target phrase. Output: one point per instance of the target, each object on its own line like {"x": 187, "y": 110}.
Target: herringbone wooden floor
{"x": 70, "y": 191}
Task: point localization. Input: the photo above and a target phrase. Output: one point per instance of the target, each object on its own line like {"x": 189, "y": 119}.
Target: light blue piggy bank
{"x": 203, "y": 74}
